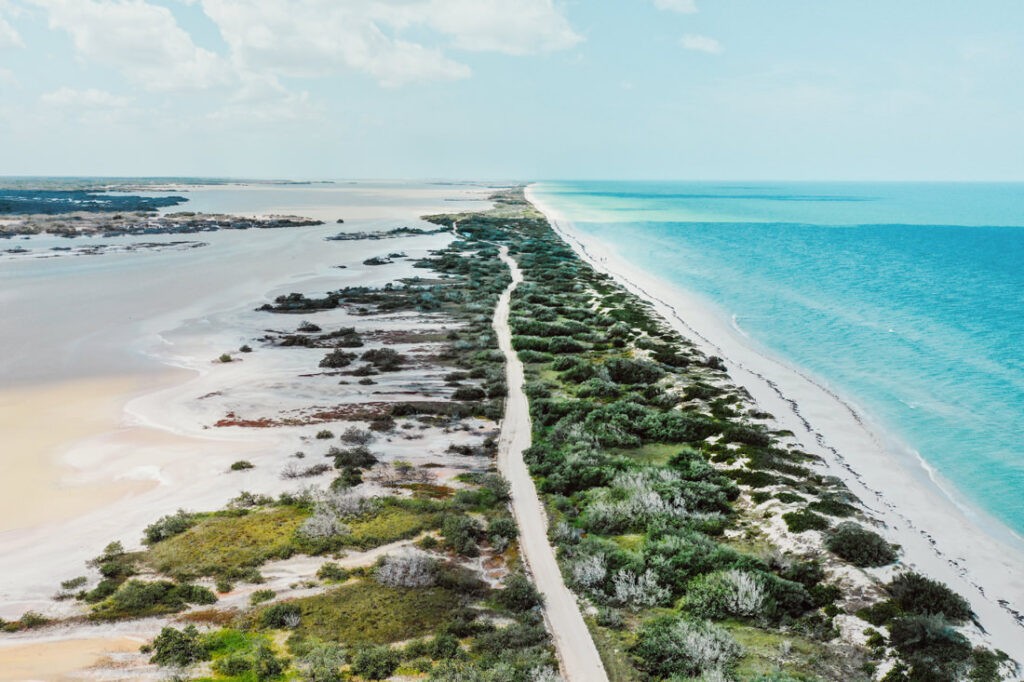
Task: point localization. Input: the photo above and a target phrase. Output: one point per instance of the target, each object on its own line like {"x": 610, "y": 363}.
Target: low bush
{"x": 285, "y": 615}
{"x": 469, "y": 393}
{"x": 728, "y": 593}
{"x": 860, "y": 546}
{"x": 519, "y": 594}
{"x": 179, "y": 648}
{"x": 804, "y": 520}
{"x": 137, "y": 598}
{"x": 332, "y": 572}
{"x": 241, "y": 465}
{"x": 358, "y": 457}
{"x": 384, "y": 359}
{"x": 171, "y": 525}
{"x": 376, "y": 663}
{"x": 935, "y": 651}
{"x": 674, "y": 646}
{"x": 626, "y": 371}
{"x": 337, "y": 359}
{"x": 916, "y": 594}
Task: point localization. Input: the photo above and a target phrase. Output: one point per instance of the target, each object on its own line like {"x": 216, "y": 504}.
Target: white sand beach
{"x": 976, "y": 556}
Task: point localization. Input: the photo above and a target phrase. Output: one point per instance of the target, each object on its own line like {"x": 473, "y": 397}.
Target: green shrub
{"x": 860, "y": 546}
{"x": 323, "y": 662}
{"x": 804, "y": 520}
{"x": 626, "y": 371}
{"x": 333, "y": 572}
{"x": 672, "y": 645}
{"x": 260, "y": 596}
{"x": 934, "y": 650}
{"x": 281, "y": 615}
{"x": 376, "y": 663}
{"x": 138, "y": 598}
{"x": 169, "y": 526}
{"x": 241, "y": 465}
{"x": 179, "y": 648}
{"x": 114, "y": 564}
{"x": 358, "y": 457}
{"x": 723, "y": 594}
{"x": 916, "y": 594}
{"x": 881, "y": 613}
{"x": 324, "y": 434}
{"x": 469, "y": 393}
{"x": 337, "y": 359}
{"x": 519, "y": 594}
{"x": 833, "y": 507}
{"x": 461, "y": 533}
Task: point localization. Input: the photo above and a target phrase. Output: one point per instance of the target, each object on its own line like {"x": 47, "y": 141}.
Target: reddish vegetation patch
{"x": 209, "y": 616}
{"x": 231, "y": 419}
{"x": 437, "y": 492}
{"x": 400, "y": 336}
{"x": 353, "y": 412}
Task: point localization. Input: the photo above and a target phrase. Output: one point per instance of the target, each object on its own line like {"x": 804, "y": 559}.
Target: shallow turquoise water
{"x": 909, "y": 298}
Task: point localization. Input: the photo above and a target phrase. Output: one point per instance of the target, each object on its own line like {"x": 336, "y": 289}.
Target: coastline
{"x": 939, "y": 538}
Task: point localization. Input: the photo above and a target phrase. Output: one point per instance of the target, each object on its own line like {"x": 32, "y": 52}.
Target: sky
{"x": 514, "y": 89}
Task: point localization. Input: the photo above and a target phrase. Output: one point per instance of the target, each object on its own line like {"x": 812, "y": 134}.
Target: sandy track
{"x": 576, "y": 651}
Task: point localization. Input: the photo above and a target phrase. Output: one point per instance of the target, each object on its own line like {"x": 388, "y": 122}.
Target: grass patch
{"x": 367, "y": 612}
{"x": 653, "y": 453}
{"x": 763, "y": 652}
{"x": 632, "y": 542}
{"x": 224, "y": 546}
{"x": 390, "y": 524}
{"x": 612, "y": 647}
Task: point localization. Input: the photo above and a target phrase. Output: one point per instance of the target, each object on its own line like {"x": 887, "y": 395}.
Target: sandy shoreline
{"x": 938, "y": 537}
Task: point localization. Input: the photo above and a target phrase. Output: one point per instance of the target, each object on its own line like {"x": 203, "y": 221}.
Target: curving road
{"x": 579, "y": 659}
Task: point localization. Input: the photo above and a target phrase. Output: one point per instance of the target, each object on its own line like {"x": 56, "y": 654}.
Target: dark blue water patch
{"x": 55, "y": 202}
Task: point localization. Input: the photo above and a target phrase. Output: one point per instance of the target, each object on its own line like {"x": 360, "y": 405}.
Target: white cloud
{"x": 699, "y": 43}
{"x": 317, "y": 37}
{"x": 681, "y": 6}
{"x": 8, "y": 35}
{"x": 85, "y": 99}
{"x": 523, "y": 27}
{"x": 141, "y": 40}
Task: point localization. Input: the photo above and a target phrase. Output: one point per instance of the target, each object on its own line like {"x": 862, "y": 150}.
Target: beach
{"x": 938, "y": 537}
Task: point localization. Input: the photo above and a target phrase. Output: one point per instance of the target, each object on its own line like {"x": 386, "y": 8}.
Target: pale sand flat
{"x": 56, "y": 660}
{"x": 38, "y": 423}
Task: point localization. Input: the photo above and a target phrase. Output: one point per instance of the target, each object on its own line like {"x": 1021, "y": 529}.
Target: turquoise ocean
{"x": 906, "y": 298}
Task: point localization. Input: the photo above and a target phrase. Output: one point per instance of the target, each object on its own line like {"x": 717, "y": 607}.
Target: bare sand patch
{"x": 40, "y": 424}
{"x": 56, "y": 660}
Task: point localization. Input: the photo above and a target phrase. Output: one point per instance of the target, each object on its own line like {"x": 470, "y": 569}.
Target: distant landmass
{"x": 52, "y": 202}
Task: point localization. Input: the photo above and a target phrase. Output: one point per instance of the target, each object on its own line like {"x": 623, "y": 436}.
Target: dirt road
{"x": 576, "y": 651}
